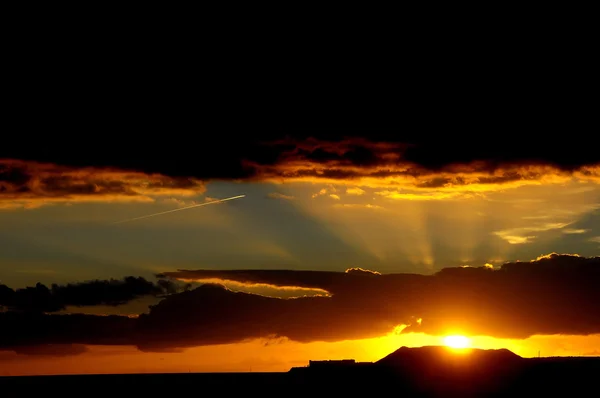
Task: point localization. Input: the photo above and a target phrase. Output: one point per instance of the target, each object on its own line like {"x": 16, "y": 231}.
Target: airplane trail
{"x": 181, "y": 208}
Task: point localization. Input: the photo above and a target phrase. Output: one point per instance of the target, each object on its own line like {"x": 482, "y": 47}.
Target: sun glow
{"x": 457, "y": 342}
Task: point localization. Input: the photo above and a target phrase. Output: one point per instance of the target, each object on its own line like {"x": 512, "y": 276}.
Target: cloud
{"x": 553, "y": 294}
{"x": 357, "y": 206}
{"x": 355, "y": 191}
{"x": 27, "y": 184}
{"x": 52, "y": 350}
{"x": 112, "y": 292}
{"x": 334, "y": 196}
{"x": 575, "y": 231}
{"x": 277, "y": 195}
{"x": 423, "y": 195}
{"x": 404, "y": 166}
{"x": 518, "y": 236}
{"x": 320, "y": 193}
{"x": 262, "y": 289}
{"x": 37, "y": 331}
{"x": 595, "y": 239}
{"x": 358, "y": 161}
{"x": 358, "y": 270}
{"x": 180, "y": 202}
{"x": 330, "y": 190}
{"x": 515, "y": 239}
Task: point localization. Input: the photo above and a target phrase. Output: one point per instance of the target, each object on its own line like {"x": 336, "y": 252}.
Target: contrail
{"x": 181, "y": 208}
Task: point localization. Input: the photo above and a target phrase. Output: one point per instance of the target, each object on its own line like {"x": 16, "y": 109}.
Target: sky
{"x": 394, "y": 193}
{"x": 344, "y": 245}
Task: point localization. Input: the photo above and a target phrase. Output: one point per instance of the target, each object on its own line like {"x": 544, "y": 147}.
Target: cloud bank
{"x": 41, "y": 298}
{"x": 28, "y": 184}
{"x": 554, "y": 294}
{"x": 401, "y": 167}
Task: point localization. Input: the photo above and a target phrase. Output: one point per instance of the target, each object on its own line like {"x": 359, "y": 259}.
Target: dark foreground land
{"x": 408, "y": 372}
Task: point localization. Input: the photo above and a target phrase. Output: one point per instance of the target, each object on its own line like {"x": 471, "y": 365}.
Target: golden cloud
{"x": 358, "y": 162}
{"x": 262, "y": 289}
{"x": 355, "y": 191}
{"x": 25, "y": 184}
{"x": 425, "y": 195}
{"x": 357, "y": 206}
{"x": 517, "y": 236}
{"x": 575, "y": 231}
{"x": 468, "y": 178}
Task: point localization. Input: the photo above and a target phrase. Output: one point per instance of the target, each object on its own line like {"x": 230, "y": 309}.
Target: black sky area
{"x": 158, "y": 99}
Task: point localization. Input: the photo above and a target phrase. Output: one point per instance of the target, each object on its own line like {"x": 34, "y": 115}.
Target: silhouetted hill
{"x": 445, "y": 356}
{"x": 438, "y": 370}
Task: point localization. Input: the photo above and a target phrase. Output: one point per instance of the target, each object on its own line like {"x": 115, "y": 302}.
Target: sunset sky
{"x": 345, "y": 245}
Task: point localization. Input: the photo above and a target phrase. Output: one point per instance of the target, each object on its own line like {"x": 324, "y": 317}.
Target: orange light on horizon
{"x": 457, "y": 342}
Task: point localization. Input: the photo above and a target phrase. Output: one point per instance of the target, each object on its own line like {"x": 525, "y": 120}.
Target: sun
{"x": 457, "y": 341}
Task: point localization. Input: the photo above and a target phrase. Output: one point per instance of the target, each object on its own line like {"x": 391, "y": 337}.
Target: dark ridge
{"x": 440, "y": 354}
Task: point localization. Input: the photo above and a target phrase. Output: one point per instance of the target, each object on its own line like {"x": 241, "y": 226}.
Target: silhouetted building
{"x": 332, "y": 363}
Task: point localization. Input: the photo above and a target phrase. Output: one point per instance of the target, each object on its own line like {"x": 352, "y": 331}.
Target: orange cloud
{"x": 591, "y": 173}
{"x": 330, "y": 189}
{"x": 358, "y": 206}
{"x": 263, "y": 289}
{"x": 25, "y": 184}
{"x": 182, "y": 202}
{"x": 390, "y": 168}
{"x": 355, "y": 191}
{"x": 385, "y": 165}
{"x": 575, "y": 231}
{"x": 424, "y": 195}
{"x": 522, "y": 235}
{"x": 358, "y": 270}
{"x": 468, "y": 178}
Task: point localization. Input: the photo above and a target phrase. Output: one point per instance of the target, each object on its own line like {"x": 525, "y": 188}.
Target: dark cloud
{"x": 554, "y": 294}
{"x": 416, "y": 160}
{"x": 114, "y": 292}
{"x": 25, "y": 331}
{"x": 136, "y": 104}
{"x": 434, "y": 164}
{"x": 52, "y": 350}
{"x": 32, "y": 184}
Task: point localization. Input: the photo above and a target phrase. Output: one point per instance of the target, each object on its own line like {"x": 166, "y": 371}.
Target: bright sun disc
{"x": 457, "y": 341}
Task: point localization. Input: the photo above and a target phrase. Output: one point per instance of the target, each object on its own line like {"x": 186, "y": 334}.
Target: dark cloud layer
{"x": 554, "y": 294}
{"x": 330, "y": 155}
{"x": 40, "y": 298}
{"x": 140, "y": 170}
{"x": 32, "y": 184}
{"x": 137, "y": 104}
{"x": 25, "y": 329}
